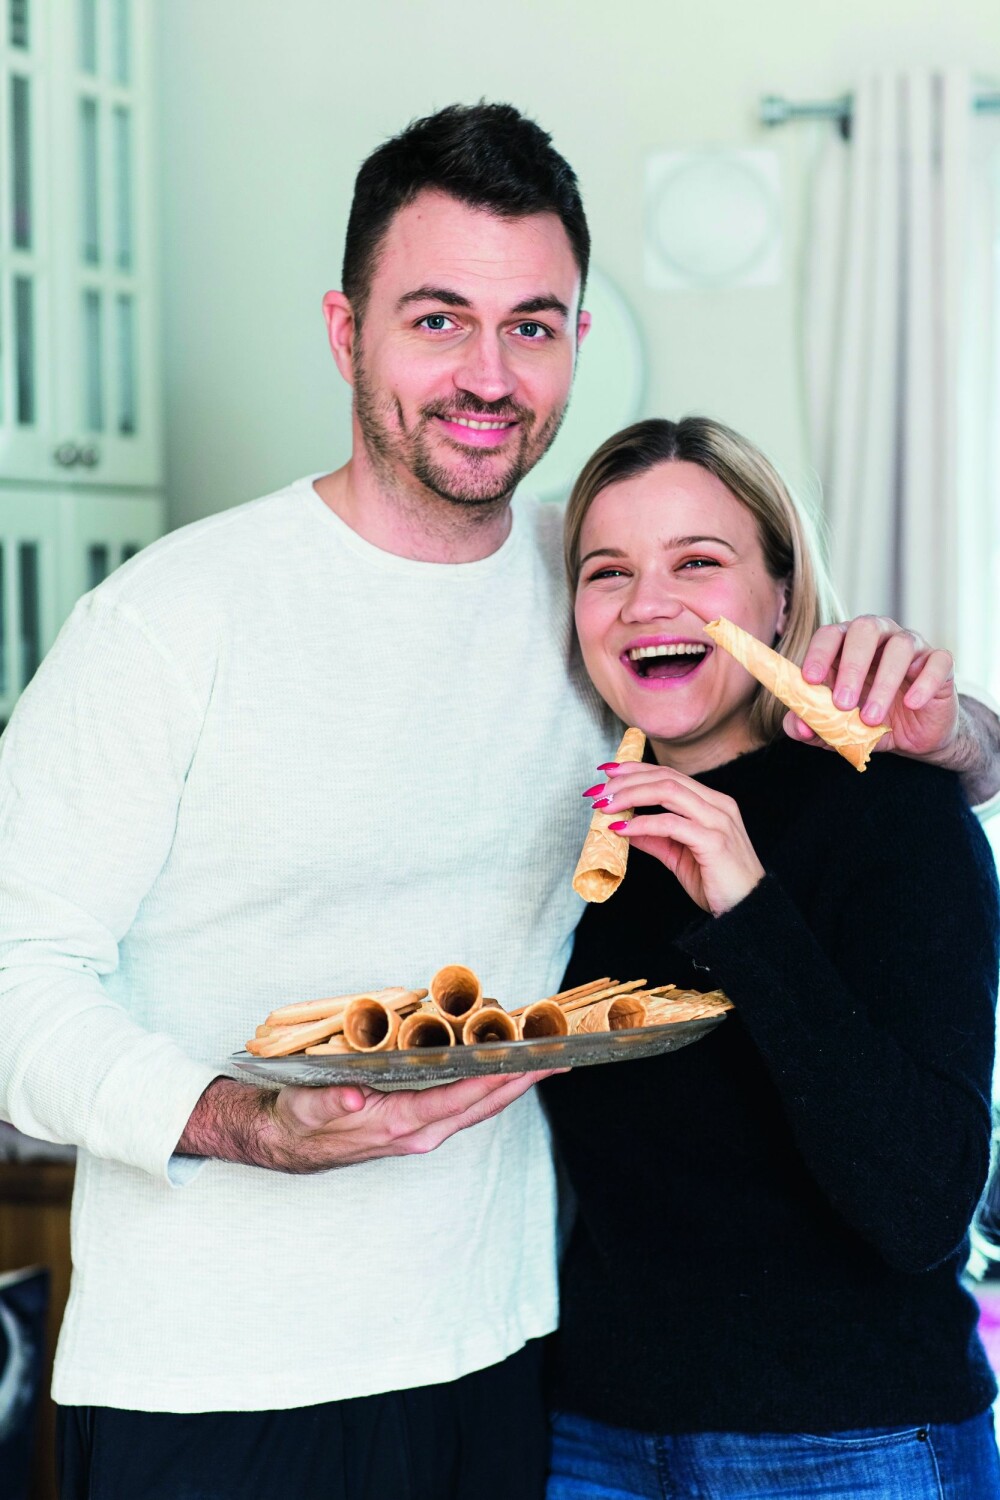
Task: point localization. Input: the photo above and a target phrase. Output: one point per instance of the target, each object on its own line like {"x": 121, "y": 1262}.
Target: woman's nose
{"x": 647, "y": 601}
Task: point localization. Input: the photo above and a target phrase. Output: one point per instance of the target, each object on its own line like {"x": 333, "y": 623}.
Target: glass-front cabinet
{"x": 79, "y": 393}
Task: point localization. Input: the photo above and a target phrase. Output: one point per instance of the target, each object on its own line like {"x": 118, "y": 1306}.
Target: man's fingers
{"x": 929, "y": 676}
{"x": 822, "y": 652}
{"x": 507, "y": 1089}
{"x": 898, "y": 654}
{"x": 311, "y": 1109}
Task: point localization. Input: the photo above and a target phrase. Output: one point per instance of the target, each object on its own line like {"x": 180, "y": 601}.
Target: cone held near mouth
{"x": 845, "y": 730}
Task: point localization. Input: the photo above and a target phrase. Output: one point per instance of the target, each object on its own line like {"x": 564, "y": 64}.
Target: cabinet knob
{"x": 66, "y": 455}
{"x": 90, "y": 457}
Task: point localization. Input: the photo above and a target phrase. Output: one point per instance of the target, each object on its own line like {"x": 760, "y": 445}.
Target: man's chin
{"x": 471, "y": 491}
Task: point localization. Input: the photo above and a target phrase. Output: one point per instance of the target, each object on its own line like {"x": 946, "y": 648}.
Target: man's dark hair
{"x": 489, "y": 156}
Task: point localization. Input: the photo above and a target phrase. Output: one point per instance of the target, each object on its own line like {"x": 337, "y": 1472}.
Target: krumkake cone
{"x": 845, "y": 730}
{"x": 371, "y": 1024}
{"x": 617, "y": 1014}
{"x": 490, "y": 1023}
{"x": 456, "y": 993}
{"x": 544, "y": 1018}
{"x": 426, "y": 1027}
{"x": 601, "y": 866}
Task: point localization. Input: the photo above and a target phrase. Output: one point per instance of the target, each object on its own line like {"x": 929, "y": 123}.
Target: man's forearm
{"x": 230, "y": 1122}
{"x": 976, "y": 753}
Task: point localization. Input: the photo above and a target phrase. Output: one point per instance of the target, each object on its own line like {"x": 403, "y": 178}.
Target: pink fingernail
{"x": 602, "y": 802}
{"x": 618, "y": 827}
{"x": 609, "y": 765}
{"x": 592, "y": 791}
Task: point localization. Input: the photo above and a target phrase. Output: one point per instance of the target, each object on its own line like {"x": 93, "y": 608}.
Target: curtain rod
{"x": 775, "y": 110}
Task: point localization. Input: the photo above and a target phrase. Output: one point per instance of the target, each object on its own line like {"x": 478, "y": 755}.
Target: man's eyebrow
{"x": 445, "y": 295}
{"x": 542, "y": 304}
{"x": 433, "y": 294}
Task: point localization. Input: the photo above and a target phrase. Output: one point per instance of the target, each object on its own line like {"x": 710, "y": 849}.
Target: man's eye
{"x": 436, "y": 322}
{"x": 533, "y": 331}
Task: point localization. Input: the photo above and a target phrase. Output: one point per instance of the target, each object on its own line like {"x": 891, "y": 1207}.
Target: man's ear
{"x": 582, "y": 326}
{"x": 341, "y": 331}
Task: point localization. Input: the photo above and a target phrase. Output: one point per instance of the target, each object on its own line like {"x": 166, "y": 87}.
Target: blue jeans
{"x": 950, "y": 1462}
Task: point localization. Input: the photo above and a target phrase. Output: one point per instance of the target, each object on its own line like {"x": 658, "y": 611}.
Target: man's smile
{"x": 477, "y": 432}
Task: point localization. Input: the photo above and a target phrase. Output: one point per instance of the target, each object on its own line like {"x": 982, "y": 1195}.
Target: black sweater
{"x": 772, "y": 1221}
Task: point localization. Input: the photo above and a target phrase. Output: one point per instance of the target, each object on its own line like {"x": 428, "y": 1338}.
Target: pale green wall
{"x": 267, "y": 107}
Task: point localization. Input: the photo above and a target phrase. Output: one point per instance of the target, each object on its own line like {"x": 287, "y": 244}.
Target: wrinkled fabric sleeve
{"x": 92, "y": 770}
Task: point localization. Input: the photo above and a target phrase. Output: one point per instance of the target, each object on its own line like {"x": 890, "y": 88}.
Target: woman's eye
{"x": 697, "y": 563}
{"x": 436, "y": 322}
{"x": 608, "y": 572}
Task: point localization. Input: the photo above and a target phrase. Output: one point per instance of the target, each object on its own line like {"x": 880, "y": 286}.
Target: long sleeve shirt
{"x": 772, "y": 1221}
{"x": 268, "y": 762}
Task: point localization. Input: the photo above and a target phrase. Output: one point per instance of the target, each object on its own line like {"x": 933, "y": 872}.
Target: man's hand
{"x": 313, "y": 1129}
{"x": 892, "y": 677}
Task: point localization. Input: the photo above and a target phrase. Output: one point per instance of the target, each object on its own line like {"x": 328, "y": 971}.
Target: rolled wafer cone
{"x": 336, "y": 1044}
{"x": 544, "y": 1018}
{"x": 455, "y": 993}
{"x": 426, "y": 1027}
{"x": 317, "y": 1010}
{"x": 564, "y": 995}
{"x": 618, "y": 1013}
{"x": 581, "y": 1002}
{"x": 284, "y": 1040}
{"x": 601, "y": 866}
{"x": 490, "y": 1023}
{"x": 846, "y": 731}
{"x": 371, "y": 1024}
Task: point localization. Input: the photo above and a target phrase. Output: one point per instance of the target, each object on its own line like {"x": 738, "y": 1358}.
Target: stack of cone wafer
{"x": 379, "y": 1021}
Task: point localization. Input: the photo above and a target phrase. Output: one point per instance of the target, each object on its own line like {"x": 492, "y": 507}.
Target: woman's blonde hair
{"x": 790, "y": 551}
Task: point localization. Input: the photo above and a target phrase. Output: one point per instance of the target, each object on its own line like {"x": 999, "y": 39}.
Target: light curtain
{"x": 900, "y": 403}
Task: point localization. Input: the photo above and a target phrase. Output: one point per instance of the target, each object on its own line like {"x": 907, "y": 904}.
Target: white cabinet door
{"x": 30, "y": 608}
{"x": 101, "y": 532}
{"x": 105, "y": 380}
{"x": 79, "y": 390}
{"x": 27, "y": 416}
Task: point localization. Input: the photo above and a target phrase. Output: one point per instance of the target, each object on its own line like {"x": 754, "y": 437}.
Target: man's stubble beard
{"x": 390, "y": 446}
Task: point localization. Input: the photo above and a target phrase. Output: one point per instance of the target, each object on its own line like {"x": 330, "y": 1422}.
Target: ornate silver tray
{"x": 421, "y": 1066}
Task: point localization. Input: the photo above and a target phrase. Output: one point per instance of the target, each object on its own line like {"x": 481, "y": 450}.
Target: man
{"x": 323, "y": 742}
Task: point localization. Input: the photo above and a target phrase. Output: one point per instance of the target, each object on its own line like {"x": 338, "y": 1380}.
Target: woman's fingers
{"x": 640, "y": 786}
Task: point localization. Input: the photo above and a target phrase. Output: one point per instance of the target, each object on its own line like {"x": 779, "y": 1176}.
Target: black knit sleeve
{"x": 878, "y": 1033}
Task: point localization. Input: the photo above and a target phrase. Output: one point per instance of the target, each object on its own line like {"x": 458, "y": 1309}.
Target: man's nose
{"x": 484, "y": 370}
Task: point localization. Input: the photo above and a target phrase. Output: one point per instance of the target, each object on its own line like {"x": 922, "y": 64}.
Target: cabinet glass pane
{"x": 89, "y": 183}
{"x": 122, "y": 42}
{"x": 93, "y": 364}
{"x": 18, "y": 14}
{"x": 24, "y": 347}
{"x": 122, "y": 128}
{"x": 20, "y": 151}
{"x": 4, "y": 672}
{"x": 87, "y": 12}
{"x": 31, "y": 610}
{"x": 98, "y": 564}
{"x": 126, "y": 366}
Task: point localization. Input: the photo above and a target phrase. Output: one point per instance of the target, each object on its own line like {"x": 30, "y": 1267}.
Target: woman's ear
{"x": 785, "y": 606}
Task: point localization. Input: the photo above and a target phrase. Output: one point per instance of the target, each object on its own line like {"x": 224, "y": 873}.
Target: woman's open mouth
{"x": 661, "y": 665}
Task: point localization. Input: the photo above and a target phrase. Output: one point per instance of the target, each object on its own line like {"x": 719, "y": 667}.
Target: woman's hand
{"x": 699, "y": 836}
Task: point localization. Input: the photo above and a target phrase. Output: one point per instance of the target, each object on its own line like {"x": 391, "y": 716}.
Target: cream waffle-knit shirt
{"x": 266, "y": 761}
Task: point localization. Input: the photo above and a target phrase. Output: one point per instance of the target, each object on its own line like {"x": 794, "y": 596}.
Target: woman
{"x": 761, "y": 1292}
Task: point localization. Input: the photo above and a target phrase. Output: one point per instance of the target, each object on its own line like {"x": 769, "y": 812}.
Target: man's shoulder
{"x": 543, "y": 522}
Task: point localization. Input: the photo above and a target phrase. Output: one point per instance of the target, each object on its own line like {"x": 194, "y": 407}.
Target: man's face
{"x": 465, "y": 358}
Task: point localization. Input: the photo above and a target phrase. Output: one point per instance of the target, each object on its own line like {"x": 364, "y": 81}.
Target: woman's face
{"x": 661, "y": 555}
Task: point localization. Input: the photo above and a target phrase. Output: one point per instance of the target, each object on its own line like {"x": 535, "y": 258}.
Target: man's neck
{"x": 412, "y": 523}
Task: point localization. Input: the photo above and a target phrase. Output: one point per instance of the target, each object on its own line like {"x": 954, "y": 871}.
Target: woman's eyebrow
{"x": 602, "y": 552}
{"x": 692, "y": 541}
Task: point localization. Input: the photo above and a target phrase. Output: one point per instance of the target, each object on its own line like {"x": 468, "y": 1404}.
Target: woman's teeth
{"x": 683, "y": 648}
